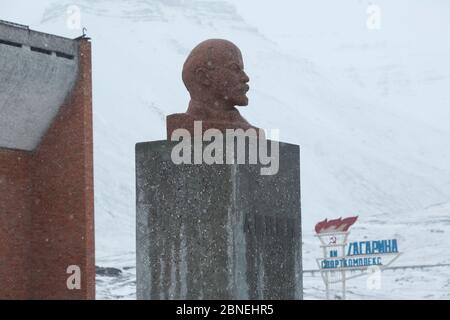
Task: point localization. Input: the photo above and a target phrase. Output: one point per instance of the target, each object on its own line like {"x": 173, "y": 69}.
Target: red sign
{"x": 336, "y": 225}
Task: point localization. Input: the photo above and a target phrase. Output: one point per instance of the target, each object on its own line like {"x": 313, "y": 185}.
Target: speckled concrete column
{"x": 217, "y": 231}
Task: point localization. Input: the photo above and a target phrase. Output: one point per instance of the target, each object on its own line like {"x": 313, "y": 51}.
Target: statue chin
{"x": 242, "y": 102}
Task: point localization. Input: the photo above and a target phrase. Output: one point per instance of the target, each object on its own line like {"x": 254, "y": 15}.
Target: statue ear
{"x": 201, "y": 75}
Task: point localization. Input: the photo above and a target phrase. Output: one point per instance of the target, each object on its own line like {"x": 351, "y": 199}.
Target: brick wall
{"x": 52, "y": 189}
{"x": 14, "y": 223}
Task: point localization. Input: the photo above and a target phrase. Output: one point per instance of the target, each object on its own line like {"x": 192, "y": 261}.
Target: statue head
{"x": 214, "y": 72}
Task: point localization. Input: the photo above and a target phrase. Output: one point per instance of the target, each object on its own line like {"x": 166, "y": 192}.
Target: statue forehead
{"x": 214, "y": 51}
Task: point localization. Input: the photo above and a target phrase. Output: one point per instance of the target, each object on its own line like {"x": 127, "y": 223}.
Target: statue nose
{"x": 245, "y": 77}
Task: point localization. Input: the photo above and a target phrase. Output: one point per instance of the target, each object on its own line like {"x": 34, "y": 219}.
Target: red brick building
{"x": 46, "y": 166}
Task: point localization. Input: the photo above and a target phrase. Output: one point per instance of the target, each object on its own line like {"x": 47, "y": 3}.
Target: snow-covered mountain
{"x": 370, "y": 108}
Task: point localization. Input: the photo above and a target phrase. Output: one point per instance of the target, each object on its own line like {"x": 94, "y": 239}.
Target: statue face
{"x": 214, "y": 73}
{"x": 229, "y": 81}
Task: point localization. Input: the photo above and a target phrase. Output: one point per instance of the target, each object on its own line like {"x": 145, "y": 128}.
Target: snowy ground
{"x": 423, "y": 240}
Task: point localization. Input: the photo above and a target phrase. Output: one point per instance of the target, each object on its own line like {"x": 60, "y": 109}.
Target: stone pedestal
{"x": 217, "y": 231}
